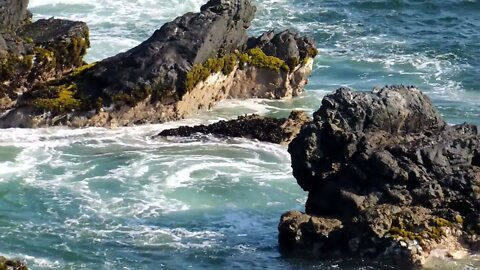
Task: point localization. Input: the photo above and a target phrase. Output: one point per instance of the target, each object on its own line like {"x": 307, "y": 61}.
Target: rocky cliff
{"x": 386, "y": 178}
{"x": 188, "y": 65}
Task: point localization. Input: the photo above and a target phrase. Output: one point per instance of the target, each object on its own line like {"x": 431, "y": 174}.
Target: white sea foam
{"x": 67, "y": 162}
{"x": 116, "y": 25}
{"x": 111, "y": 185}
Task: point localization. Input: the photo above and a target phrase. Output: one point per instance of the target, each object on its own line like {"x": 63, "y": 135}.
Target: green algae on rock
{"x": 257, "y": 58}
{"x": 62, "y": 95}
{"x": 8, "y": 264}
{"x": 39, "y": 52}
{"x": 162, "y": 79}
{"x": 253, "y": 57}
{"x": 59, "y": 99}
{"x": 67, "y": 40}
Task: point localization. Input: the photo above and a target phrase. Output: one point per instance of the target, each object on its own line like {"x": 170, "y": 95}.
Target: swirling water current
{"x": 118, "y": 199}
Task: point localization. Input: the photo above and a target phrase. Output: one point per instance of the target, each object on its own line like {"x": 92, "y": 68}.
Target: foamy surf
{"x": 118, "y": 198}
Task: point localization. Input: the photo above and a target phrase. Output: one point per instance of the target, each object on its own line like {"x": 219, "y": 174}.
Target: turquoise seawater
{"x": 118, "y": 199}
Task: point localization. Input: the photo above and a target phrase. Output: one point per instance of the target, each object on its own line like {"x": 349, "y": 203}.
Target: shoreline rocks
{"x": 9, "y": 264}
{"x": 13, "y": 14}
{"x": 34, "y": 53}
{"x": 279, "y": 131}
{"x": 387, "y": 179}
{"x": 186, "y": 66}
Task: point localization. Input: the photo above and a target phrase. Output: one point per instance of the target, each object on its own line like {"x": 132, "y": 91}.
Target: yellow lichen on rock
{"x": 11, "y": 65}
{"x": 258, "y": 58}
{"x": 226, "y": 64}
{"x": 65, "y": 99}
{"x": 201, "y": 72}
{"x": 435, "y": 230}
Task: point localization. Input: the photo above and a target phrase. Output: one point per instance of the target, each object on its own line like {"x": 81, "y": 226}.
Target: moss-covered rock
{"x": 201, "y": 72}
{"x": 133, "y": 97}
{"x": 61, "y": 95}
{"x": 257, "y": 58}
{"x": 254, "y": 57}
{"x": 67, "y": 40}
{"x": 8, "y": 264}
{"x": 37, "y": 53}
{"x": 59, "y": 99}
{"x": 158, "y": 76}
{"x": 432, "y": 229}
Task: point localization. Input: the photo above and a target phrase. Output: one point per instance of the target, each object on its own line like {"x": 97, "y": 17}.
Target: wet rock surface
{"x": 401, "y": 182}
{"x": 188, "y": 65}
{"x": 266, "y": 129}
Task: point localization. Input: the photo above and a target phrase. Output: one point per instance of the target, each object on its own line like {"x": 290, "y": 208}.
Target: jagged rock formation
{"x": 33, "y": 53}
{"x": 7, "y": 264}
{"x": 188, "y": 65}
{"x": 13, "y": 13}
{"x": 386, "y": 178}
{"x": 281, "y": 131}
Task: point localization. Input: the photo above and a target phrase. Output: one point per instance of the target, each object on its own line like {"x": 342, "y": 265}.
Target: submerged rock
{"x": 7, "y": 264}
{"x": 188, "y": 65}
{"x": 397, "y": 181}
{"x": 266, "y": 129}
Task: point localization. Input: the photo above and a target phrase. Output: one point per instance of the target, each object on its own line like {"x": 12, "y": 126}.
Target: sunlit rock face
{"x": 386, "y": 178}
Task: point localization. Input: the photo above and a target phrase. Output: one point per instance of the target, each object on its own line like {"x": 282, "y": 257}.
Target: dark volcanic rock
{"x": 68, "y": 40}
{"x": 401, "y": 182}
{"x": 286, "y": 45}
{"x": 13, "y": 13}
{"x": 344, "y": 120}
{"x": 40, "y": 51}
{"x": 164, "y": 59}
{"x": 266, "y": 129}
{"x": 188, "y": 65}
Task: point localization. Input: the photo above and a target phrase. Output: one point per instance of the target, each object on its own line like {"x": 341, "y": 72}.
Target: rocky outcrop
{"x": 163, "y": 61}
{"x": 267, "y": 129}
{"x": 7, "y": 264}
{"x": 68, "y": 41}
{"x": 13, "y": 13}
{"x": 387, "y": 178}
{"x": 188, "y": 65}
{"x": 37, "y": 52}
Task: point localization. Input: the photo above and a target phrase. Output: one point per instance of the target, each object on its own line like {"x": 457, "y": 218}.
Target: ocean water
{"x": 119, "y": 199}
